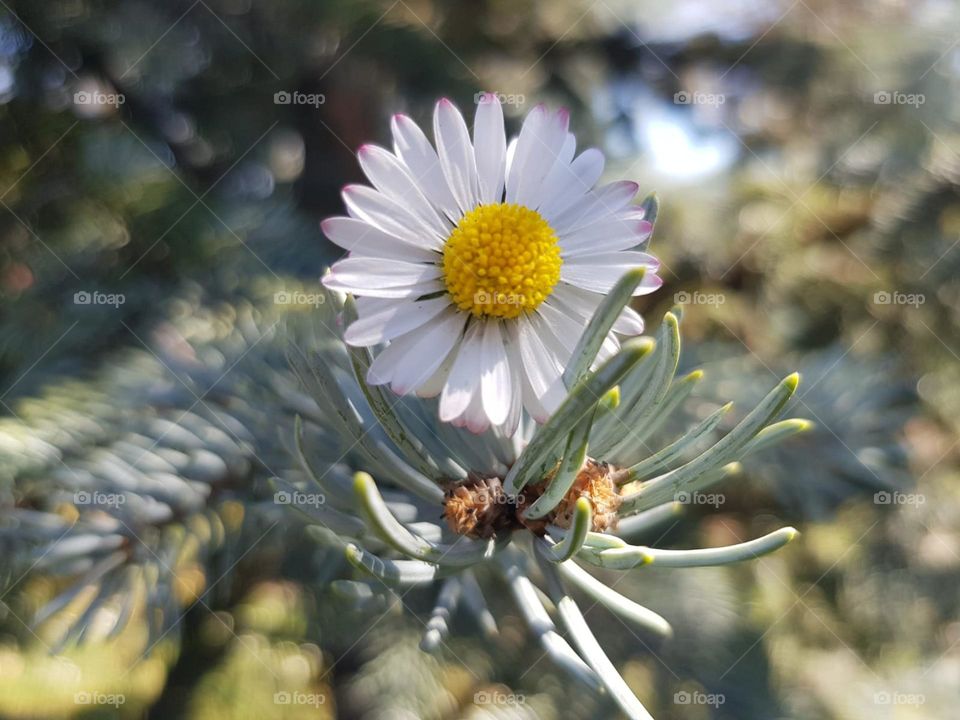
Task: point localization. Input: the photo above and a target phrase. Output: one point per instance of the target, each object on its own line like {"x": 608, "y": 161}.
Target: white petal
{"x": 380, "y": 278}
{"x": 574, "y": 301}
{"x": 361, "y": 237}
{"x": 416, "y": 152}
{"x": 595, "y": 205}
{"x": 489, "y": 148}
{"x": 367, "y": 304}
{"x": 438, "y": 339}
{"x": 552, "y": 150}
{"x": 392, "y": 320}
{"x": 585, "y": 170}
{"x": 630, "y": 322}
{"x": 619, "y": 232}
{"x": 387, "y": 215}
{"x": 609, "y": 348}
{"x": 434, "y": 384}
{"x": 516, "y": 387}
{"x": 409, "y": 361}
{"x": 599, "y": 272}
{"x": 531, "y": 127}
{"x": 392, "y": 178}
{"x": 584, "y": 303}
{"x": 560, "y": 174}
{"x": 565, "y": 325}
{"x": 475, "y": 417}
{"x": 540, "y": 143}
{"x": 531, "y": 402}
{"x": 464, "y": 379}
{"x": 511, "y": 153}
{"x": 560, "y": 330}
{"x": 528, "y": 398}
{"x": 542, "y": 366}
{"x": 402, "y": 350}
{"x": 364, "y": 271}
{"x": 456, "y": 154}
{"x": 494, "y": 374}
{"x": 404, "y": 291}
{"x": 634, "y": 257}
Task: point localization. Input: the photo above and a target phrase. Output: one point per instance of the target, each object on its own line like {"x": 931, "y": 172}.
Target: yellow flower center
{"x": 501, "y": 260}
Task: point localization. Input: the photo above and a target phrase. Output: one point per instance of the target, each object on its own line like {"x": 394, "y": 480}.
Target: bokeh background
{"x": 163, "y": 167}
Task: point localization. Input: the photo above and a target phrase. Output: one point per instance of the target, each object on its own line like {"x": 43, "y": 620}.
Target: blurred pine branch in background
{"x": 156, "y": 256}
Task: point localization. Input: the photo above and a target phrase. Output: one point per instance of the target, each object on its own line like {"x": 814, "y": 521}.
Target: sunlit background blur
{"x": 163, "y": 168}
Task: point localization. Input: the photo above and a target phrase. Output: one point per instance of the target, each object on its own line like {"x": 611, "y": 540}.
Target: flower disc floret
{"x": 501, "y": 260}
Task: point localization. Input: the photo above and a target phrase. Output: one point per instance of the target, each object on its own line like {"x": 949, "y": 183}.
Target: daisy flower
{"x": 476, "y": 264}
